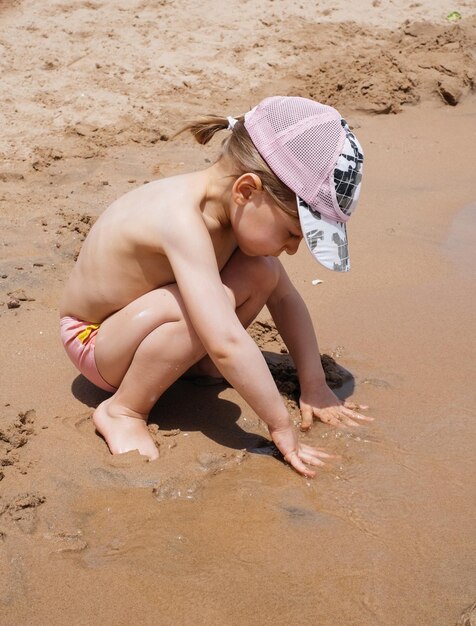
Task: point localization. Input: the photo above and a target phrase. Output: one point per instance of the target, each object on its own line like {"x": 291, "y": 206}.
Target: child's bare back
{"x": 123, "y": 256}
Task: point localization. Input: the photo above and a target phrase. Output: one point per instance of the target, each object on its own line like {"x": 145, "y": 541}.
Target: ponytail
{"x": 239, "y": 148}
{"x": 204, "y": 129}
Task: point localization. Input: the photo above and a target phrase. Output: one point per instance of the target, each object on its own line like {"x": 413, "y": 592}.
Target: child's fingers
{"x": 317, "y": 452}
{"x": 306, "y": 418}
{"x": 313, "y": 456}
{"x": 342, "y": 416}
{"x": 293, "y": 459}
{"x": 333, "y": 421}
{"x": 356, "y": 407}
{"x": 310, "y": 459}
{"x": 346, "y": 418}
{"x": 354, "y": 415}
{"x": 364, "y": 418}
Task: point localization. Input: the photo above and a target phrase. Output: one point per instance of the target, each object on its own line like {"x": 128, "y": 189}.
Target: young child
{"x": 173, "y": 272}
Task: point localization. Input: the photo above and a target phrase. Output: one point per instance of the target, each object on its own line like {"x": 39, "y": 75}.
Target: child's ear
{"x": 245, "y": 186}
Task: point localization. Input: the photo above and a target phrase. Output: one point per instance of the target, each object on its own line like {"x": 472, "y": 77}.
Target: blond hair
{"x": 239, "y": 148}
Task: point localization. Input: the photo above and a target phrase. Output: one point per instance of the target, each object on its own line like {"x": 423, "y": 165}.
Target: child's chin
{"x": 261, "y": 251}
{"x": 249, "y": 251}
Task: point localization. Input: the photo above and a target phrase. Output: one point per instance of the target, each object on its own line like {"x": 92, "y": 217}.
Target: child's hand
{"x": 295, "y": 453}
{"x": 323, "y": 404}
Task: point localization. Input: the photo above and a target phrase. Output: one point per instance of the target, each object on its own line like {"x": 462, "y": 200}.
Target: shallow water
{"x": 370, "y": 541}
{"x": 461, "y": 240}
{"x": 380, "y": 537}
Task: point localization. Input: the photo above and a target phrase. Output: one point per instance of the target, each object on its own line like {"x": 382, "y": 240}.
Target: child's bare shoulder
{"x": 148, "y": 213}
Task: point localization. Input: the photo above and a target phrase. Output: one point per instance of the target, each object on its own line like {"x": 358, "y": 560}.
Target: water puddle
{"x": 460, "y": 242}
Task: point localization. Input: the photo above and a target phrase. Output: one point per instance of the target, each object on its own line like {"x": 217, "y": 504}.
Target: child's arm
{"x": 191, "y": 255}
{"x": 294, "y": 324}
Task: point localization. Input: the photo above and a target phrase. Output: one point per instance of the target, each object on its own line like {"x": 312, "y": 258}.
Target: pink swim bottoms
{"x": 78, "y": 339}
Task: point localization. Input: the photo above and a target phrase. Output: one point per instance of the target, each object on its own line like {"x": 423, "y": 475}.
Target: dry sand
{"x": 215, "y": 532}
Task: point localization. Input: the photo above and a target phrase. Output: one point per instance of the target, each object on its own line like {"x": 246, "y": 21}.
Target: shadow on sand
{"x": 191, "y": 407}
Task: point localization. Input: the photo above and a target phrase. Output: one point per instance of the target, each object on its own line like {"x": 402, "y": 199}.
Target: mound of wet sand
{"x": 282, "y": 368}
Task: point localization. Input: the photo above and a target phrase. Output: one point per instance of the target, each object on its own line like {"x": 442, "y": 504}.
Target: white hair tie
{"x": 231, "y": 122}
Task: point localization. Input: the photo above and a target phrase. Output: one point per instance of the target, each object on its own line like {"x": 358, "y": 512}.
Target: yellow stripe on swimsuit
{"x": 83, "y": 336}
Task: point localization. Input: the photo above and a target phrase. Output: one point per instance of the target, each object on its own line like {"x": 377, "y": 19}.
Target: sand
{"x": 219, "y": 530}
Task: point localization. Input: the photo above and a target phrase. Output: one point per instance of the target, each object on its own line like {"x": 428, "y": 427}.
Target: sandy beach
{"x": 219, "y": 530}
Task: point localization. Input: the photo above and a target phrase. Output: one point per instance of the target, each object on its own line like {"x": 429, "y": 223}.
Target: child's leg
{"x": 149, "y": 344}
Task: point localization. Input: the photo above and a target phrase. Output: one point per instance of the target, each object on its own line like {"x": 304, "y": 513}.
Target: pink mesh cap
{"x": 312, "y": 151}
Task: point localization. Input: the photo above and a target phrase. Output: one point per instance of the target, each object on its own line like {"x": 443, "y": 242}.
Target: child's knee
{"x": 179, "y": 333}
{"x": 254, "y": 275}
{"x": 265, "y": 273}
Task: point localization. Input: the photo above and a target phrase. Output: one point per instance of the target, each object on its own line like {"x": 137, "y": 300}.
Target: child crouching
{"x": 172, "y": 273}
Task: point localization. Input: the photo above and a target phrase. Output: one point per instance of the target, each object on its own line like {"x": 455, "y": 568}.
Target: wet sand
{"x": 219, "y": 530}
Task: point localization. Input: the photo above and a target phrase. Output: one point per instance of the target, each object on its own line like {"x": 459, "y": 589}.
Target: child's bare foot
{"x": 123, "y": 432}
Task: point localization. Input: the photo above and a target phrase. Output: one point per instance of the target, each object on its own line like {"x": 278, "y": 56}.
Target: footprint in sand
{"x": 189, "y": 485}
{"x": 468, "y": 617}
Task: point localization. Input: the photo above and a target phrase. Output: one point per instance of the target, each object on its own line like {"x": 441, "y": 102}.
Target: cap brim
{"x": 325, "y": 238}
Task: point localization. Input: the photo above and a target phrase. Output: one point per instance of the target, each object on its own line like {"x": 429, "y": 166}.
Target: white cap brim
{"x": 325, "y": 238}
